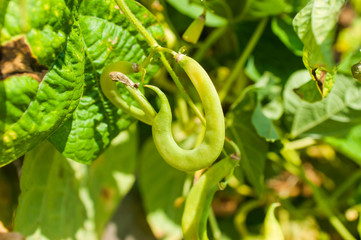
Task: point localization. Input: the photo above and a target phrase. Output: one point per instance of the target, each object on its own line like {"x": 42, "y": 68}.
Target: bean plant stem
{"x": 154, "y": 45}
{"x": 237, "y": 70}
{"x": 140, "y": 28}
{"x": 214, "y": 225}
{"x": 349, "y": 182}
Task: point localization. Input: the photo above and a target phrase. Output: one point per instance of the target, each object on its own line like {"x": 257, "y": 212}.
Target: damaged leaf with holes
{"x": 316, "y": 26}
{"x": 56, "y": 97}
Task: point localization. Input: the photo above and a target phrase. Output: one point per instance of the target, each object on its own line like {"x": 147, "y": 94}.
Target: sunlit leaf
{"x": 107, "y": 37}
{"x": 335, "y": 114}
{"x": 63, "y": 199}
{"x": 161, "y": 188}
{"x": 316, "y": 26}
{"x": 57, "y": 97}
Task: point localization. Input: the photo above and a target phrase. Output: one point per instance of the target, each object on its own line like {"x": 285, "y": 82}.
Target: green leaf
{"x": 63, "y": 199}
{"x": 54, "y": 201}
{"x": 316, "y": 26}
{"x": 309, "y": 92}
{"x": 57, "y": 96}
{"x": 111, "y": 176}
{"x": 264, "y": 125}
{"x": 255, "y": 9}
{"x": 108, "y": 37}
{"x": 317, "y": 20}
{"x": 273, "y": 229}
{"x": 268, "y": 107}
{"x": 9, "y": 192}
{"x": 194, "y": 10}
{"x": 160, "y": 186}
{"x": 270, "y": 57}
{"x": 253, "y": 148}
{"x": 282, "y": 27}
{"x": 44, "y": 23}
{"x": 350, "y": 145}
{"x": 16, "y": 93}
{"x": 335, "y": 114}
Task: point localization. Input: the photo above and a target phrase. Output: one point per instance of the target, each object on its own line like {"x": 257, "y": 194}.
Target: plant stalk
{"x": 242, "y": 60}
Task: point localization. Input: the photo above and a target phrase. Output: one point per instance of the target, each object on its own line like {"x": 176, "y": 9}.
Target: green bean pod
{"x": 272, "y": 228}
{"x": 197, "y": 205}
{"x": 194, "y": 30}
{"x": 207, "y": 152}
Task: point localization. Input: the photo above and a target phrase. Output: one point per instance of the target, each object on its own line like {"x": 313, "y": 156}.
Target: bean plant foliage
{"x": 75, "y": 165}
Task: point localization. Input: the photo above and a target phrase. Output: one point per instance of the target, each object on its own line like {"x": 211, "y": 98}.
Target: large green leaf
{"x": 160, "y": 186}
{"x": 16, "y": 93}
{"x": 335, "y": 114}
{"x": 63, "y": 199}
{"x": 44, "y": 23}
{"x": 57, "y": 96}
{"x": 108, "y": 37}
{"x": 253, "y": 147}
{"x": 54, "y": 201}
{"x": 112, "y": 175}
{"x": 316, "y": 26}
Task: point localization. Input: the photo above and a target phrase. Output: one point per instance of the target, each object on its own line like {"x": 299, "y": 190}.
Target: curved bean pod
{"x": 210, "y": 148}
{"x": 197, "y": 205}
{"x": 109, "y": 88}
{"x": 194, "y": 30}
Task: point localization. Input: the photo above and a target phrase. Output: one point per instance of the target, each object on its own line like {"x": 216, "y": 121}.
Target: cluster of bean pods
{"x": 185, "y": 160}
{"x": 200, "y": 196}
